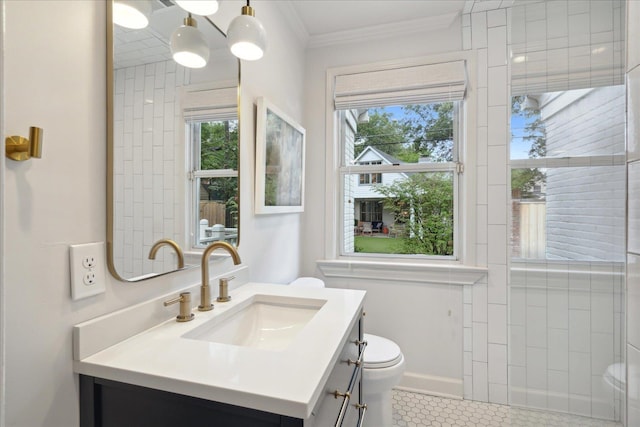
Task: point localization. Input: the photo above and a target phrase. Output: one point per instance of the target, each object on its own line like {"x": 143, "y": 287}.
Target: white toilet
{"x": 615, "y": 377}
{"x": 383, "y": 368}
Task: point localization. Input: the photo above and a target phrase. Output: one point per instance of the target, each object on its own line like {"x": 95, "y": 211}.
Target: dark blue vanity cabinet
{"x": 107, "y": 403}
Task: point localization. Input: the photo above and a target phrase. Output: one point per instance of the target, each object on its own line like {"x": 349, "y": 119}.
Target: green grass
{"x": 378, "y": 245}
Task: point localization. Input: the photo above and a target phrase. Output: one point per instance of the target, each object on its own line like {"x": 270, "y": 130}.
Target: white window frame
{"x": 553, "y": 163}
{"x": 466, "y": 200}
{"x": 195, "y": 173}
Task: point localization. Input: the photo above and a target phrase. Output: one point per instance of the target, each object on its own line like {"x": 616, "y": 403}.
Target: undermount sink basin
{"x": 264, "y": 321}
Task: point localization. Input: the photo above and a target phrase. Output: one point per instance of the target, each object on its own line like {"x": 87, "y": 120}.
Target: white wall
{"x": 54, "y": 61}
{"x": 270, "y": 242}
{"x": 2, "y": 230}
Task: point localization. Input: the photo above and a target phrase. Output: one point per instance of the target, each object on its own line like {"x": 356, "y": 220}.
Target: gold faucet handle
{"x": 224, "y": 289}
{"x": 185, "y": 306}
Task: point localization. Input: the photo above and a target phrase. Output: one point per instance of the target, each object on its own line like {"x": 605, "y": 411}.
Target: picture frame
{"x": 280, "y": 158}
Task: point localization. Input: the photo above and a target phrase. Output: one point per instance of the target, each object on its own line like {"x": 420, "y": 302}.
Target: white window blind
{"x": 421, "y": 84}
{"x": 214, "y": 104}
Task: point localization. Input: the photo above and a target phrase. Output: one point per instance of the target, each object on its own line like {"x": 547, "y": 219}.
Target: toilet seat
{"x": 308, "y": 282}
{"x": 380, "y": 352}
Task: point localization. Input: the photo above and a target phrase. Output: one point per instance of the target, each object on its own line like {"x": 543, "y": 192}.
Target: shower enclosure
{"x": 568, "y": 195}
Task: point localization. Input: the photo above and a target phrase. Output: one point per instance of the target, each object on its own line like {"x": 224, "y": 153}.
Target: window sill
{"x": 194, "y": 256}
{"x": 447, "y": 274}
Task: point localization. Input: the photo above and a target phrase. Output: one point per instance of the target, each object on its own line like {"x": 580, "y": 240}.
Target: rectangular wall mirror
{"x": 173, "y": 143}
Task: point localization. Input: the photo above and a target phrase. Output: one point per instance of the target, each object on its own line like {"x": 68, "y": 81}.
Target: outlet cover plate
{"x": 77, "y": 256}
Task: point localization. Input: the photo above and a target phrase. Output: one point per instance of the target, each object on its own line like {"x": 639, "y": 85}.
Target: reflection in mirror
{"x": 212, "y": 133}
{"x": 173, "y": 145}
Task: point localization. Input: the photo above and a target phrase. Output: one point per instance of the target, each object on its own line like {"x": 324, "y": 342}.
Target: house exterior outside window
{"x": 412, "y": 201}
{"x": 370, "y": 178}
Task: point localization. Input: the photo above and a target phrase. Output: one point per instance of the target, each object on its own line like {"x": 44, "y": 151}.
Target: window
{"x": 370, "y": 178}
{"x": 212, "y": 150}
{"x": 371, "y": 210}
{"x": 399, "y": 145}
{"x": 214, "y": 180}
{"x": 568, "y": 175}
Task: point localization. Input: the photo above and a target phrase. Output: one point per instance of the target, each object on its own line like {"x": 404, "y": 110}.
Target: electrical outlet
{"x": 89, "y": 278}
{"x": 89, "y": 261}
{"x": 86, "y": 262}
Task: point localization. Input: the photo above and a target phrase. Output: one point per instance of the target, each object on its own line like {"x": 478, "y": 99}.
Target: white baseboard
{"x": 433, "y": 385}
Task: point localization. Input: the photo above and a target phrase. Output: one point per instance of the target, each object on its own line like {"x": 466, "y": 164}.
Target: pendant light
{"x": 246, "y": 36}
{"x": 131, "y": 13}
{"x": 199, "y": 7}
{"x": 188, "y": 46}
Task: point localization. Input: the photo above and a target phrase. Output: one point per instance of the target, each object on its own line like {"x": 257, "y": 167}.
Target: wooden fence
{"x": 212, "y": 211}
{"x": 528, "y": 229}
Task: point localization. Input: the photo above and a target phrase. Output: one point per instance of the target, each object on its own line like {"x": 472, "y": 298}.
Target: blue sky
{"x": 519, "y": 147}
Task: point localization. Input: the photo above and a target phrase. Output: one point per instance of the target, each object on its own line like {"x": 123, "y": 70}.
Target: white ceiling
{"x": 329, "y": 16}
{"x": 319, "y": 23}
{"x": 324, "y": 22}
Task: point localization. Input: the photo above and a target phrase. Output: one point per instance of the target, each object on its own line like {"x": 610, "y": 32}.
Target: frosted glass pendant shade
{"x": 199, "y": 7}
{"x": 246, "y": 36}
{"x": 188, "y": 46}
{"x": 132, "y": 14}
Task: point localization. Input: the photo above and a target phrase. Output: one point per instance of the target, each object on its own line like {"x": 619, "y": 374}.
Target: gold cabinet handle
{"x": 360, "y": 356}
{"x": 345, "y": 404}
{"x": 364, "y": 411}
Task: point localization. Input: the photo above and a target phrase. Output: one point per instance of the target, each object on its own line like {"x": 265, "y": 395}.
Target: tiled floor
{"x": 418, "y": 410}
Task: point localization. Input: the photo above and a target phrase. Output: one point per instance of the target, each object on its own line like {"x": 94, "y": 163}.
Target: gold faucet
{"x": 157, "y": 245}
{"x": 205, "y": 289}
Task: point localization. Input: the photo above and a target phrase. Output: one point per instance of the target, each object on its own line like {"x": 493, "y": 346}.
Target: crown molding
{"x": 293, "y": 20}
{"x": 377, "y": 32}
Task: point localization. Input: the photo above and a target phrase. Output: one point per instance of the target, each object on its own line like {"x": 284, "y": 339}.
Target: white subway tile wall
{"x": 146, "y": 190}
{"x": 482, "y": 31}
{"x": 633, "y": 214}
{"x": 563, "y": 333}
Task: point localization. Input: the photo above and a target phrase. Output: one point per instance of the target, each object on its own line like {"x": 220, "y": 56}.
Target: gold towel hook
{"x": 19, "y": 148}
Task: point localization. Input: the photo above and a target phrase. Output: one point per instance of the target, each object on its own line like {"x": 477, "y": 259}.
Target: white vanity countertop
{"x": 287, "y": 382}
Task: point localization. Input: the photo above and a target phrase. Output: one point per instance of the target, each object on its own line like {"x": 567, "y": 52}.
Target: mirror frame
{"x": 110, "y": 156}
